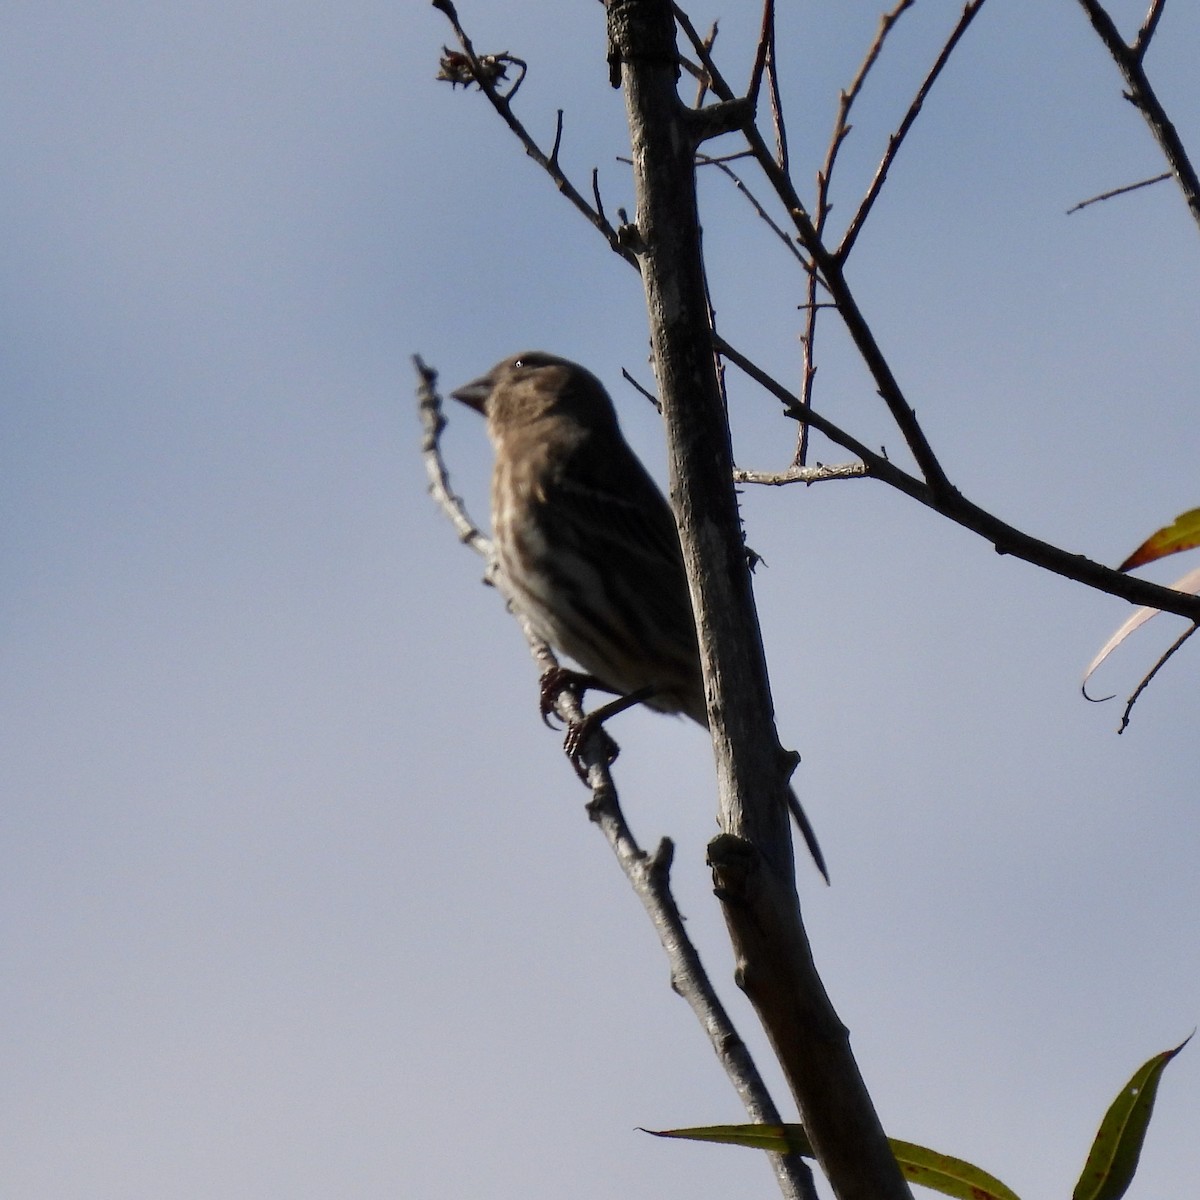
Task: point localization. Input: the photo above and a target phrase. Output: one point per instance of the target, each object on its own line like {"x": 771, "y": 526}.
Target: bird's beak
{"x": 474, "y": 395}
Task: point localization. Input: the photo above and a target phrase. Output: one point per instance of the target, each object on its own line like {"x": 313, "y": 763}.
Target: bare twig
{"x": 1007, "y": 539}
{"x": 1129, "y": 187}
{"x": 777, "y": 121}
{"x": 735, "y": 156}
{"x": 1143, "y": 96}
{"x": 1141, "y": 43}
{"x": 897, "y": 138}
{"x": 722, "y": 164}
{"x": 818, "y": 474}
{"x": 831, "y": 271}
{"x": 822, "y": 208}
{"x": 808, "y": 365}
{"x": 596, "y": 194}
{"x": 1158, "y": 666}
{"x": 501, "y": 102}
{"x": 646, "y": 392}
{"x": 841, "y": 124}
{"x": 433, "y": 422}
{"x": 940, "y": 496}
{"x": 649, "y": 876}
{"x": 698, "y": 73}
{"x": 765, "y": 34}
{"x": 766, "y": 58}
{"x": 558, "y": 132}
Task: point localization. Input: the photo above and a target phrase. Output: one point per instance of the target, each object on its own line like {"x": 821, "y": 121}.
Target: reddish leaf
{"x": 1182, "y": 534}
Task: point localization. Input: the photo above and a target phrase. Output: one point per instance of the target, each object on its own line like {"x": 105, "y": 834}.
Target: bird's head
{"x": 532, "y": 387}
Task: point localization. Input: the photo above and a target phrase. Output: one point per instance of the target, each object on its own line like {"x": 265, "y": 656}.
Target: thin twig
{"x": 1129, "y": 187}
{"x": 821, "y": 473}
{"x": 433, "y": 422}
{"x": 646, "y": 392}
{"x": 808, "y": 366}
{"x": 823, "y": 207}
{"x": 1007, "y": 539}
{"x": 1141, "y": 43}
{"x": 777, "y": 121}
{"x": 831, "y": 271}
{"x": 841, "y": 124}
{"x": 941, "y": 496}
{"x": 735, "y": 156}
{"x": 501, "y": 102}
{"x": 1158, "y": 666}
{"x": 897, "y": 138}
{"x": 1144, "y": 98}
{"x": 649, "y": 876}
{"x": 558, "y": 132}
{"x": 596, "y": 194}
{"x": 765, "y": 33}
{"x": 786, "y": 238}
{"x": 699, "y": 75}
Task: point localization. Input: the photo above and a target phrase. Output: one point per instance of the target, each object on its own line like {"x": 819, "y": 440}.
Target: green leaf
{"x": 918, "y": 1164}
{"x": 1114, "y": 1155}
{"x": 780, "y": 1139}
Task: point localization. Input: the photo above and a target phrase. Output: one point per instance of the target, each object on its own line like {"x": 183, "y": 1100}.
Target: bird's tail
{"x": 806, "y": 832}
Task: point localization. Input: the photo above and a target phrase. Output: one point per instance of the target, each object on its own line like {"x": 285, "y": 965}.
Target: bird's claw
{"x": 550, "y": 687}
{"x": 580, "y": 734}
{"x": 557, "y": 680}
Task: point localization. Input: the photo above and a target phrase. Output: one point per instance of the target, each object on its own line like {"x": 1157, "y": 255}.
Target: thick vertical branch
{"x": 752, "y": 860}
{"x": 752, "y": 768}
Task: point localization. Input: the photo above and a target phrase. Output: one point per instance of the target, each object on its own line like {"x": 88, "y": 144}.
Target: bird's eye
{"x": 520, "y": 362}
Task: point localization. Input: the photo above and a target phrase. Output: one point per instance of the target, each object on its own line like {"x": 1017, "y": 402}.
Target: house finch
{"x": 587, "y": 541}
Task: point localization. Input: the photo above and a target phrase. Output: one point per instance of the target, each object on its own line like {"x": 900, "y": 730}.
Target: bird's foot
{"x": 583, "y": 734}
{"x": 558, "y": 680}
{"x": 580, "y": 733}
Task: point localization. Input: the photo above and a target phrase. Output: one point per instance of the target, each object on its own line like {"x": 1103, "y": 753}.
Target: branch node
{"x": 727, "y": 116}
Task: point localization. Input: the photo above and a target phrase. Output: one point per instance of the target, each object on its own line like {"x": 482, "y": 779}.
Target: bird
{"x": 586, "y": 540}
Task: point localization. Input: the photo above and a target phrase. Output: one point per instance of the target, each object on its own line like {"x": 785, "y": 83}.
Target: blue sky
{"x": 298, "y": 896}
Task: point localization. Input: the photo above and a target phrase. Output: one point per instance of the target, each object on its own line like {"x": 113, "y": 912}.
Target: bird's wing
{"x": 623, "y": 520}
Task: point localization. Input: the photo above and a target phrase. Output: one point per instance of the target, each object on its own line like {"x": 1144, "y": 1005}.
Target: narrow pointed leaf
{"x": 946, "y": 1174}
{"x": 918, "y": 1164}
{"x": 1190, "y": 584}
{"x": 1182, "y": 534}
{"x": 779, "y": 1139}
{"x": 1114, "y": 1155}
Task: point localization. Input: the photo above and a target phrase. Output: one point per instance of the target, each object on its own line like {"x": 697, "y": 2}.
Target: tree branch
{"x": 1141, "y": 43}
{"x": 1007, "y": 539}
{"x": 897, "y": 139}
{"x": 821, "y": 473}
{"x": 944, "y": 499}
{"x": 758, "y": 893}
{"x": 841, "y": 124}
{"x": 1163, "y": 659}
{"x": 1120, "y": 191}
{"x": 648, "y": 874}
{"x": 1142, "y": 95}
{"x": 501, "y": 102}
{"x": 830, "y": 268}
